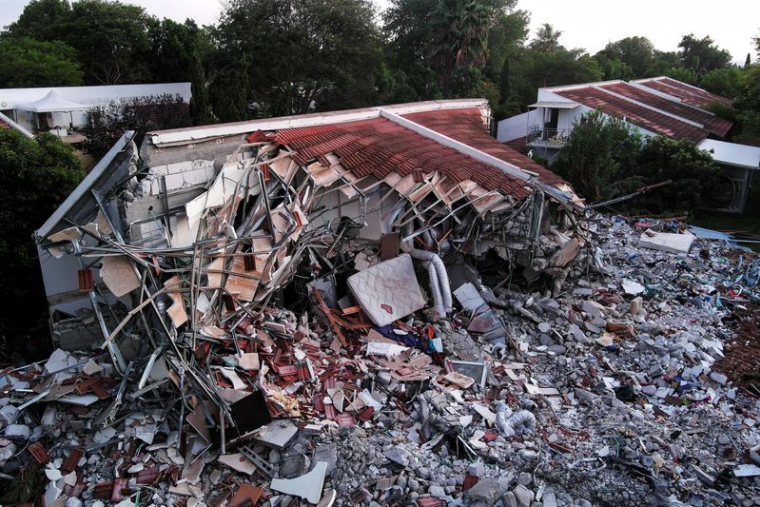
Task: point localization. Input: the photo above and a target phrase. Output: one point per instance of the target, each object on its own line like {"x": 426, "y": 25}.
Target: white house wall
{"x": 518, "y": 126}
{"x": 568, "y": 118}
{"x": 547, "y": 96}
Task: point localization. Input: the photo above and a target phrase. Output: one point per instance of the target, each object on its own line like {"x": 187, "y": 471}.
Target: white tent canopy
{"x": 52, "y": 103}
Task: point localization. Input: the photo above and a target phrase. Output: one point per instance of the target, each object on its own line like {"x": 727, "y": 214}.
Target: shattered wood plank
{"x": 328, "y": 313}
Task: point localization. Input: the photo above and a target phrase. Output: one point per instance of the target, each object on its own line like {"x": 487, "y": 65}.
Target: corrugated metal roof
{"x": 712, "y": 123}
{"x": 641, "y": 116}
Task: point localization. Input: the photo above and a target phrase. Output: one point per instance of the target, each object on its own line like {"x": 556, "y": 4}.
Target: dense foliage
{"x": 36, "y": 175}
{"x": 604, "y": 158}
{"x": 599, "y": 158}
{"x": 275, "y": 57}
{"x": 26, "y": 62}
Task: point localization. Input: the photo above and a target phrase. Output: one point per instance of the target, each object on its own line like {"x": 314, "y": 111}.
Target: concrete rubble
{"x": 562, "y": 364}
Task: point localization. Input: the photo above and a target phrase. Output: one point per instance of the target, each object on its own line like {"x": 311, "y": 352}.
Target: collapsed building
{"x": 383, "y": 306}
{"x": 225, "y": 216}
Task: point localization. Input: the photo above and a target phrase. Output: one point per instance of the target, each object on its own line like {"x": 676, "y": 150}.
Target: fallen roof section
{"x": 80, "y": 200}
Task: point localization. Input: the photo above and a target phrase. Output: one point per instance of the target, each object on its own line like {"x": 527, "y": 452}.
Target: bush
{"x": 599, "y": 157}
{"x": 692, "y": 170}
{"x": 603, "y": 159}
{"x": 36, "y": 175}
{"x": 143, "y": 114}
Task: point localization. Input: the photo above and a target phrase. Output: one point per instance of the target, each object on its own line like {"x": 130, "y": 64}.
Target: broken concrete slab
{"x": 277, "y": 434}
{"x": 307, "y": 486}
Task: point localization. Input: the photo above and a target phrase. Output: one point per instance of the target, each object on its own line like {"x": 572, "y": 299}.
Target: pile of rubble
{"x": 359, "y": 309}
{"x": 610, "y": 392}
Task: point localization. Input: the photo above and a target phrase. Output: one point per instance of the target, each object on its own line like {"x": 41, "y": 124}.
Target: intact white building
{"x": 653, "y": 107}
{"x": 62, "y": 108}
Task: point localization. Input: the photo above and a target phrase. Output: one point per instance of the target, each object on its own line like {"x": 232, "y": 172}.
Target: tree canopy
{"x": 27, "y": 62}
{"x": 36, "y": 175}
{"x": 114, "y": 42}
{"x": 701, "y": 56}
{"x": 604, "y": 158}
{"x": 301, "y": 53}
{"x": 275, "y": 57}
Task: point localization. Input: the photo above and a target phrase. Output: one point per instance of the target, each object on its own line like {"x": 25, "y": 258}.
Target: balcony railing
{"x": 548, "y": 137}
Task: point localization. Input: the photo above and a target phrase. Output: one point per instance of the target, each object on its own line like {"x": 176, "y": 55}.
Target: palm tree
{"x": 547, "y": 38}
{"x": 462, "y": 26}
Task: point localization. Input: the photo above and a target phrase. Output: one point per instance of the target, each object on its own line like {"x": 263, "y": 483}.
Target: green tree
{"x": 26, "y": 62}
{"x": 725, "y": 82}
{"x": 461, "y": 28}
{"x": 111, "y": 40}
{"x": 599, "y": 158}
{"x": 682, "y": 74}
{"x": 36, "y": 175}
{"x": 41, "y": 20}
{"x": 506, "y": 39}
{"x": 628, "y": 58}
{"x": 303, "y": 53}
{"x": 116, "y": 42}
{"x": 395, "y": 87}
{"x": 408, "y": 27}
{"x": 662, "y": 63}
{"x": 173, "y": 47}
{"x": 547, "y": 38}
{"x": 692, "y": 170}
{"x": 453, "y": 48}
{"x": 229, "y": 92}
{"x": 701, "y": 56}
{"x": 747, "y": 108}
{"x": 536, "y": 69}
{"x": 200, "y": 107}
{"x": 505, "y": 45}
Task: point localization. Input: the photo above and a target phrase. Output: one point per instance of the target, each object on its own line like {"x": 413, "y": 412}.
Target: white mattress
{"x": 387, "y": 291}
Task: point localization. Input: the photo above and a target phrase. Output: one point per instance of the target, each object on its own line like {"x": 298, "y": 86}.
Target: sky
{"x": 588, "y": 24}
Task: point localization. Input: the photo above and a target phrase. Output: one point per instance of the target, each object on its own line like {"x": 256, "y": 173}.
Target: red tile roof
{"x": 466, "y": 126}
{"x": 518, "y": 144}
{"x": 379, "y": 147}
{"x": 688, "y": 94}
{"x": 638, "y": 115}
{"x": 715, "y": 125}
